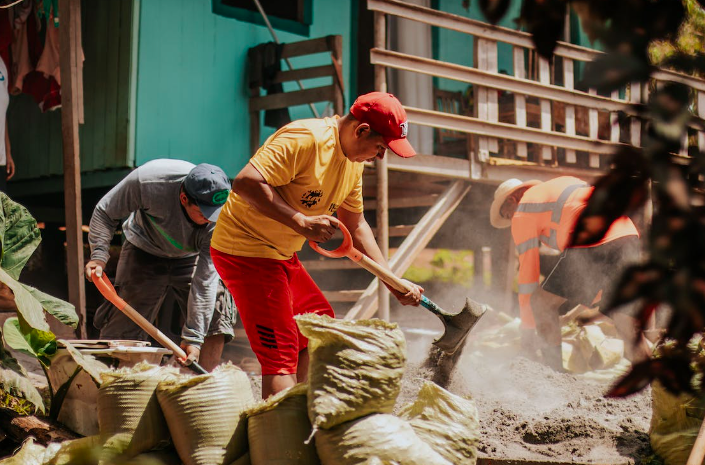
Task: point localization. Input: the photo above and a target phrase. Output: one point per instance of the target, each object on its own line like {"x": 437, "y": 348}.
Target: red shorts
{"x": 268, "y": 293}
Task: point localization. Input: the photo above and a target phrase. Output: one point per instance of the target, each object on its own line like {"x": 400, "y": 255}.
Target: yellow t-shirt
{"x": 306, "y": 165}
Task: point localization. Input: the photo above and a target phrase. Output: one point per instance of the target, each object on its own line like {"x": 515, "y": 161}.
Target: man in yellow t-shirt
{"x": 304, "y": 173}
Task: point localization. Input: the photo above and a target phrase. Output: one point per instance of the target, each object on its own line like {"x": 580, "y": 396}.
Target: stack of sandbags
{"x": 445, "y": 421}
{"x": 278, "y": 429}
{"x": 129, "y": 417}
{"x": 355, "y": 368}
{"x": 355, "y": 376}
{"x": 203, "y": 415}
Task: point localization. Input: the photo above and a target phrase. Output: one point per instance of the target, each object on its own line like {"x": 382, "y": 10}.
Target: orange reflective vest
{"x": 547, "y": 214}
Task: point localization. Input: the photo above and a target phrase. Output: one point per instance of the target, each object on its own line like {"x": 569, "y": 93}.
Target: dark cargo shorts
{"x": 581, "y": 273}
{"x": 143, "y": 281}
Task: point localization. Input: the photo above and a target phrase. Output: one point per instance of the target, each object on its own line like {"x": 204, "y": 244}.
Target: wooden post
{"x": 70, "y": 51}
{"x": 546, "y": 119}
{"x": 569, "y": 83}
{"x": 380, "y": 33}
{"x": 593, "y": 128}
{"x": 520, "y": 100}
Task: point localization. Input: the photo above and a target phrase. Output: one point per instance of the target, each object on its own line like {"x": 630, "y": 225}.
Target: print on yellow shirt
{"x": 306, "y": 165}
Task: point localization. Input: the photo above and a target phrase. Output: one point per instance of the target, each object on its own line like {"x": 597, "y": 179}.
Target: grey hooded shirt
{"x": 156, "y": 222}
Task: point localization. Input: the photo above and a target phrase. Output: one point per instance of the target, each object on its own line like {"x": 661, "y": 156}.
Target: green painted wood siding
{"x": 192, "y": 100}
{"x": 36, "y": 137}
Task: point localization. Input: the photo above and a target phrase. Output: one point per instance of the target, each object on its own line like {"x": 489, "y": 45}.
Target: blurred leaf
{"x": 92, "y": 366}
{"x": 19, "y": 236}
{"x": 637, "y": 379}
{"x": 612, "y": 71}
{"x": 664, "y": 18}
{"x": 685, "y": 62}
{"x": 38, "y": 344}
{"x": 59, "y": 309}
{"x": 638, "y": 282}
{"x": 616, "y": 194}
{"x": 494, "y": 10}
{"x": 13, "y": 379}
{"x": 544, "y": 20}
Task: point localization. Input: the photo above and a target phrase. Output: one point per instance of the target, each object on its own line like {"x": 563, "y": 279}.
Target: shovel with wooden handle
{"x": 457, "y": 326}
{"x": 106, "y": 288}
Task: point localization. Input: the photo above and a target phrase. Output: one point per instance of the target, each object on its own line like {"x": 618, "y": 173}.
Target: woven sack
{"x": 203, "y": 414}
{"x": 675, "y": 422}
{"x": 281, "y": 420}
{"x": 355, "y": 367}
{"x": 375, "y": 439}
{"x": 446, "y": 422}
{"x": 129, "y": 417}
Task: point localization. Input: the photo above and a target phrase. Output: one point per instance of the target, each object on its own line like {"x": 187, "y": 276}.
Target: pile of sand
{"x": 528, "y": 411}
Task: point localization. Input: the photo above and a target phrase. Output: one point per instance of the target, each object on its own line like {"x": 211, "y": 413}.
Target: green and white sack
{"x": 278, "y": 429}
{"x": 355, "y": 368}
{"x": 446, "y": 422}
{"x": 375, "y": 439}
{"x": 203, "y": 414}
{"x": 129, "y": 417}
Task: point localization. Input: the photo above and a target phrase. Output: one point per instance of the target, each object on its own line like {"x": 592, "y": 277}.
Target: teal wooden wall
{"x": 192, "y": 98}
{"x": 104, "y": 144}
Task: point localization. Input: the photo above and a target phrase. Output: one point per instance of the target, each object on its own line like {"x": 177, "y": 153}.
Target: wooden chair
{"x": 329, "y": 93}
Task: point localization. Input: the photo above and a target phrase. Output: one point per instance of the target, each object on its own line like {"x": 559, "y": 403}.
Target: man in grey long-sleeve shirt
{"x": 171, "y": 207}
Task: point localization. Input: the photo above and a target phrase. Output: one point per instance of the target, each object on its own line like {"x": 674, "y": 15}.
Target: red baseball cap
{"x": 385, "y": 115}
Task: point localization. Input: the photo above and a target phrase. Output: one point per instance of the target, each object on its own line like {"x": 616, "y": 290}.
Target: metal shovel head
{"x": 458, "y": 326}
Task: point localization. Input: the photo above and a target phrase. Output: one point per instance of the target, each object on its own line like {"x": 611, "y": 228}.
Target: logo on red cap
{"x": 385, "y": 115}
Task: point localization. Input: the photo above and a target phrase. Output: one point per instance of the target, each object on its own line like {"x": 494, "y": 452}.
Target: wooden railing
{"x": 332, "y": 93}
{"x": 576, "y": 132}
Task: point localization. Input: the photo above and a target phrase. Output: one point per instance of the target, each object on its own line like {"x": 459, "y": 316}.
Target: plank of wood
{"x": 305, "y": 47}
{"x": 69, "y": 10}
{"x": 569, "y": 83}
{"x": 414, "y": 243}
{"x": 342, "y": 296}
{"x": 507, "y": 131}
{"x": 293, "y": 98}
{"x": 405, "y": 202}
{"x": 520, "y": 100}
{"x": 614, "y": 121}
{"x": 305, "y": 73}
{"x": 635, "y": 127}
{"x": 701, "y": 113}
{"x": 546, "y": 120}
{"x": 20, "y": 427}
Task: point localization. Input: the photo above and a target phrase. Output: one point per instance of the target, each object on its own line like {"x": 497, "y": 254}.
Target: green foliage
{"x": 690, "y": 39}
{"x": 447, "y": 266}
{"x": 19, "y": 236}
{"x": 33, "y": 342}
{"x": 15, "y": 382}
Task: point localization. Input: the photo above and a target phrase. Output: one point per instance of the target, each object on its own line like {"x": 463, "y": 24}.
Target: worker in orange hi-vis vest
{"x": 546, "y": 213}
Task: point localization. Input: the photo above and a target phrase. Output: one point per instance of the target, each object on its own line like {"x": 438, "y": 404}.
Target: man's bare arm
{"x": 251, "y": 186}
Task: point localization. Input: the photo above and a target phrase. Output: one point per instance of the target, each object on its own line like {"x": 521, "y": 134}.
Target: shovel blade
{"x": 458, "y": 326}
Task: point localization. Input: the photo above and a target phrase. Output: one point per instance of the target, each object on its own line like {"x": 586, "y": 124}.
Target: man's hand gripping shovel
{"x": 106, "y": 288}
{"x": 457, "y": 326}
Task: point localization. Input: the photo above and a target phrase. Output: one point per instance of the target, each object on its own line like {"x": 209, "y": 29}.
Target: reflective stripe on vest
{"x": 556, "y": 209}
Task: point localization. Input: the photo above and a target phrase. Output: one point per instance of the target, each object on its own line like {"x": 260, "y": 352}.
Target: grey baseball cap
{"x": 210, "y": 186}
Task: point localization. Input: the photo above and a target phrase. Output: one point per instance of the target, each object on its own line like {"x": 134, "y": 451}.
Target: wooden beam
{"x": 476, "y": 126}
{"x": 306, "y": 47}
{"x": 305, "y": 73}
{"x": 342, "y": 296}
{"x": 290, "y": 99}
{"x": 405, "y": 202}
{"x": 415, "y": 242}
{"x": 382, "y": 172}
{"x": 70, "y": 54}
{"x": 495, "y": 172}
